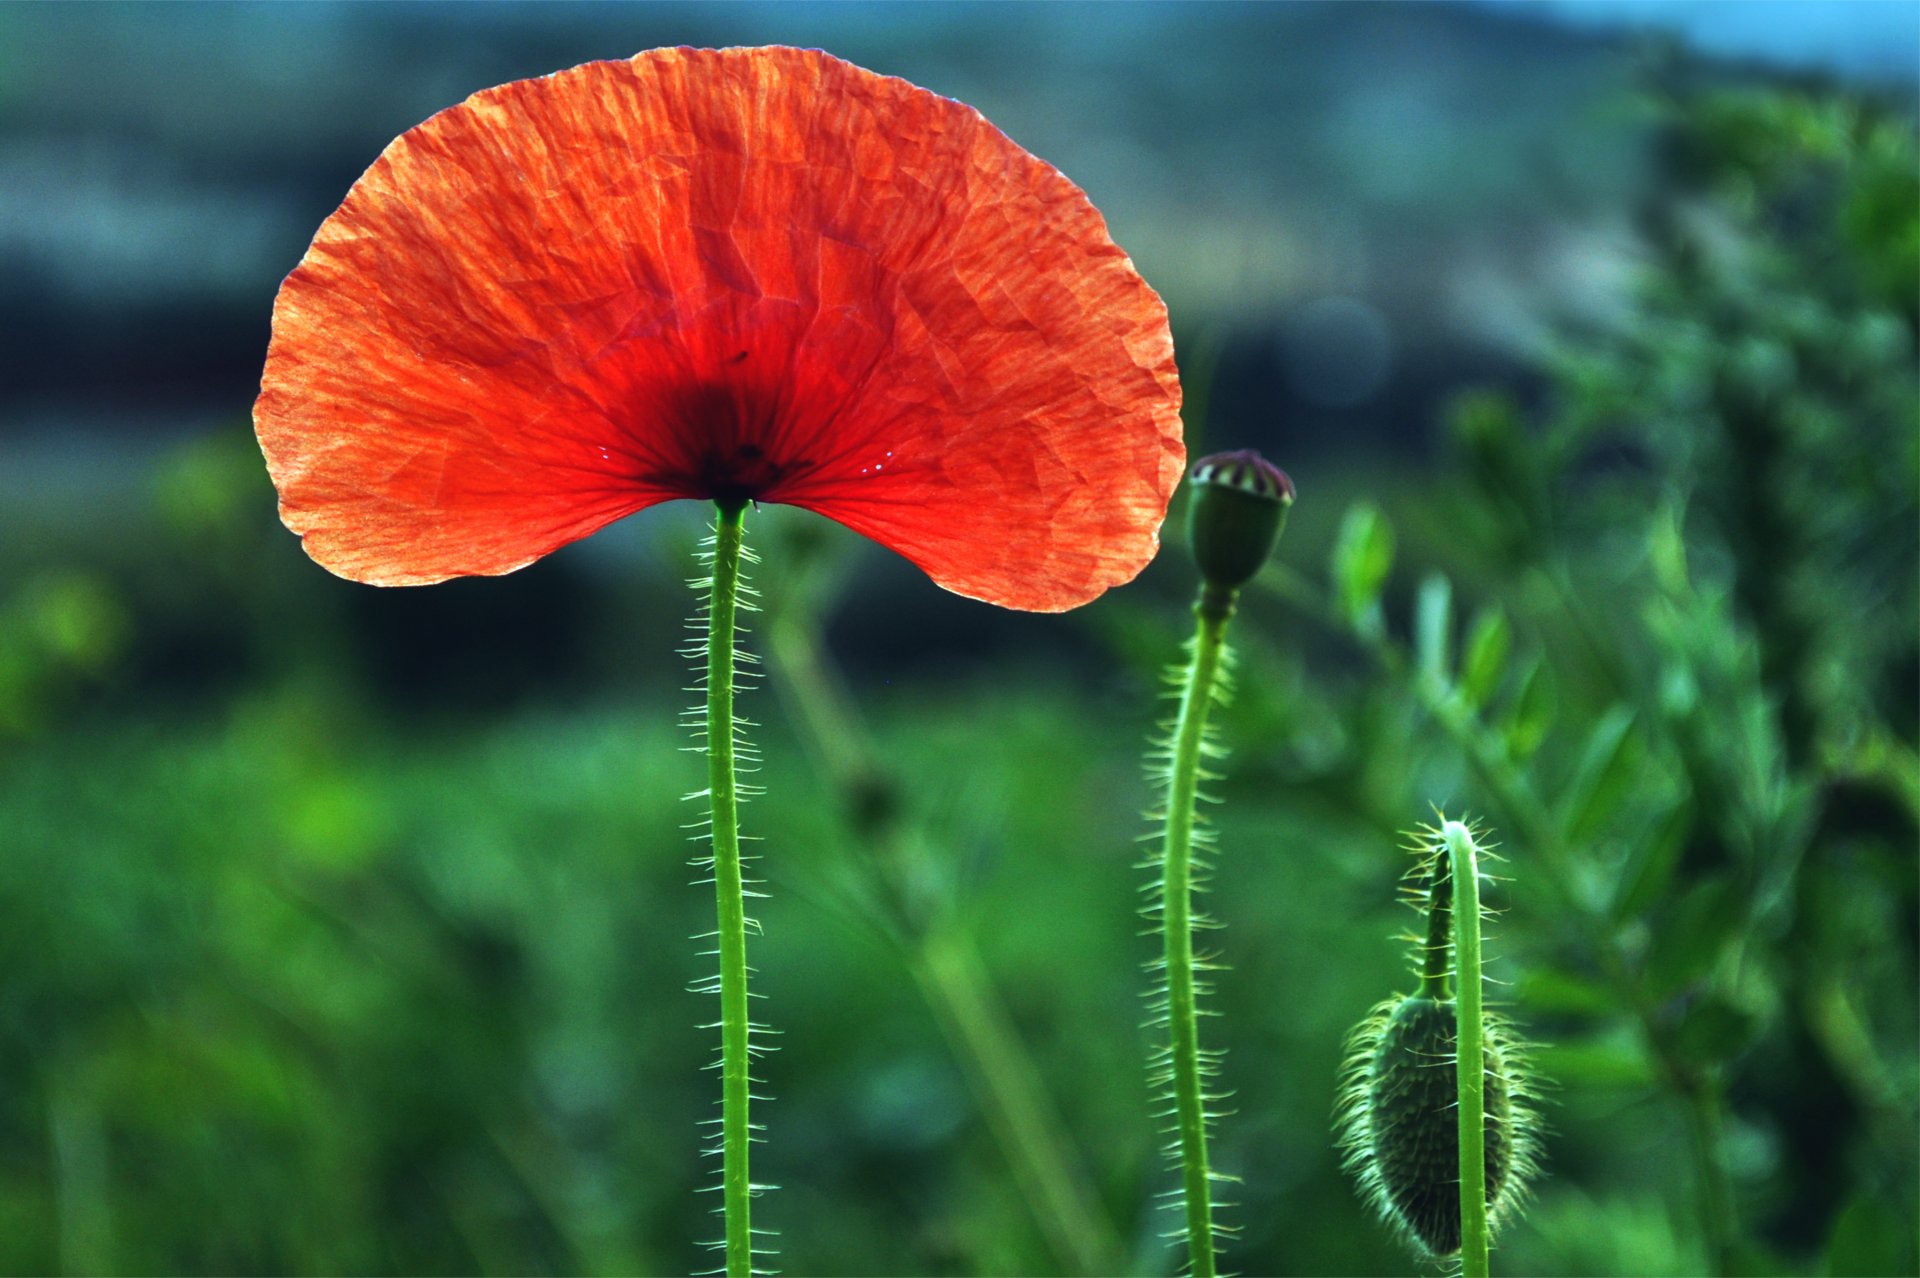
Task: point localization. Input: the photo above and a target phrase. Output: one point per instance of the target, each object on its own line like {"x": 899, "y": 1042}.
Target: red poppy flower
{"x": 738, "y": 274}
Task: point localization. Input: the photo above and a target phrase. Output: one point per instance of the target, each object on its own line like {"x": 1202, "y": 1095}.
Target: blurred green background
{"x": 347, "y": 930}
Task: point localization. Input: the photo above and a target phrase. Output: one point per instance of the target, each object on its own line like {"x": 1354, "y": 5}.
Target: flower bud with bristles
{"x": 1398, "y": 1118}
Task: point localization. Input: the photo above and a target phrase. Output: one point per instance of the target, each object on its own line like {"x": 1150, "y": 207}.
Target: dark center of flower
{"x": 728, "y": 442}
{"x": 740, "y": 473}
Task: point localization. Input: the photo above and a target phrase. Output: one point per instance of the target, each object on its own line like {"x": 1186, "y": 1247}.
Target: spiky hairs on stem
{"x": 1237, "y": 509}
{"x": 1398, "y": 1120}
{"x": 1180, "y": 1071}
{"x": 721, "y": 738}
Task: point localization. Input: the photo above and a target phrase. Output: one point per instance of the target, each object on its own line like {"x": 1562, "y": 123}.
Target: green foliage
{"x": 1484, "y": 663}
{"x": 61, "y": 632}
{"x": 1693, "y": 667}
{"x": 1363, "y": 557}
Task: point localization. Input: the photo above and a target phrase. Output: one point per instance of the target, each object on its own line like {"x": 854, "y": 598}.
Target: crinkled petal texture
{"x": 738, "y": 274}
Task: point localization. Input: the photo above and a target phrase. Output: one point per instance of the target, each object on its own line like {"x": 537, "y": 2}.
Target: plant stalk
{"x": 1177, "y": 922}
{"x": 1021, "y": 1116}
{"x": 729, "y": 894}
{"x": 1470, "y": 1067}
{"x": 946, "y": 965}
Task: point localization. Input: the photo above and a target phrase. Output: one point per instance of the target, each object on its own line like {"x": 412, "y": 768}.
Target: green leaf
{"x": 1433, "y": 630}
{"x": 1649, "y": 868}
{"x": 1552, "y": 989}
{"x": 1601, "y": 780}
{"x": 1530, "y": 716}
{"x": 1690, "y": 937}
{"x": 1870, "y": 1238}
{"x": 1616, "y": 1062}
{"x": 1750, "y": 1259}
{"x": 75, "y": 619}
{"x": 1362, "y": 560}
{"x": 1715, "y": 1031}
{"x": 1667, "y": 550}
{"x": 1484, "y": 661}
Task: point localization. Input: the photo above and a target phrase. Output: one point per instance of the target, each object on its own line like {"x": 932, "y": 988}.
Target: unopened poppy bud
{"x": 1234, "y": 519}
{"x": 1404, "y": 1143}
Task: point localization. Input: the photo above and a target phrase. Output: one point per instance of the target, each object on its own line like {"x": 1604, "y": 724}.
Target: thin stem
{"x": 1705, "y": 1128}
{"x": 729, "y": 894}
{"x": 1470, "y": 1067}
{"x": 945, "y": 962}
{"x": 1176, "y": 905}
{"x": 1019, "y": 1113}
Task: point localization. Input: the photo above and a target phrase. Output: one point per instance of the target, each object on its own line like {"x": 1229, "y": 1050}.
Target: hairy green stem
{"x": 1177, "y": 924}
{"x": 1470, "y": 1066}
{"x": 729, "y": 894}
{"x": 945, "y": 962}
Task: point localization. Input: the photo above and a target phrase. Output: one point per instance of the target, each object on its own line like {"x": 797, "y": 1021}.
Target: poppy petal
{"x": 738, "y": 274}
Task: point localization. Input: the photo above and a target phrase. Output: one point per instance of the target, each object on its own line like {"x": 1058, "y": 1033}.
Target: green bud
{"x": 1234, "y": 519}
{"x": 1403, "y": 1134}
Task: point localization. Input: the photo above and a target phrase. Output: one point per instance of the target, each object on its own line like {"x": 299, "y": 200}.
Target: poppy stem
{"x": 1186, "y": 1067}
{"x": 729, "y": 892}
{"x": 941, "y": 952}
{"x": 1469, "y": 1062}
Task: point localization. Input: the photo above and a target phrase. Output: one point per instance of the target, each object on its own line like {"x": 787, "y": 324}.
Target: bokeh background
{"x": 347, "y": 930}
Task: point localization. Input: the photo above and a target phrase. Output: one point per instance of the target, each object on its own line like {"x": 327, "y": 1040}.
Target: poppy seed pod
{"x": 1235, "y": 516}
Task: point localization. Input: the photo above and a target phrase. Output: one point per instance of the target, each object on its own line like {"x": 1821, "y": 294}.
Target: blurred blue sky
{"x": 1872, "y": 40}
